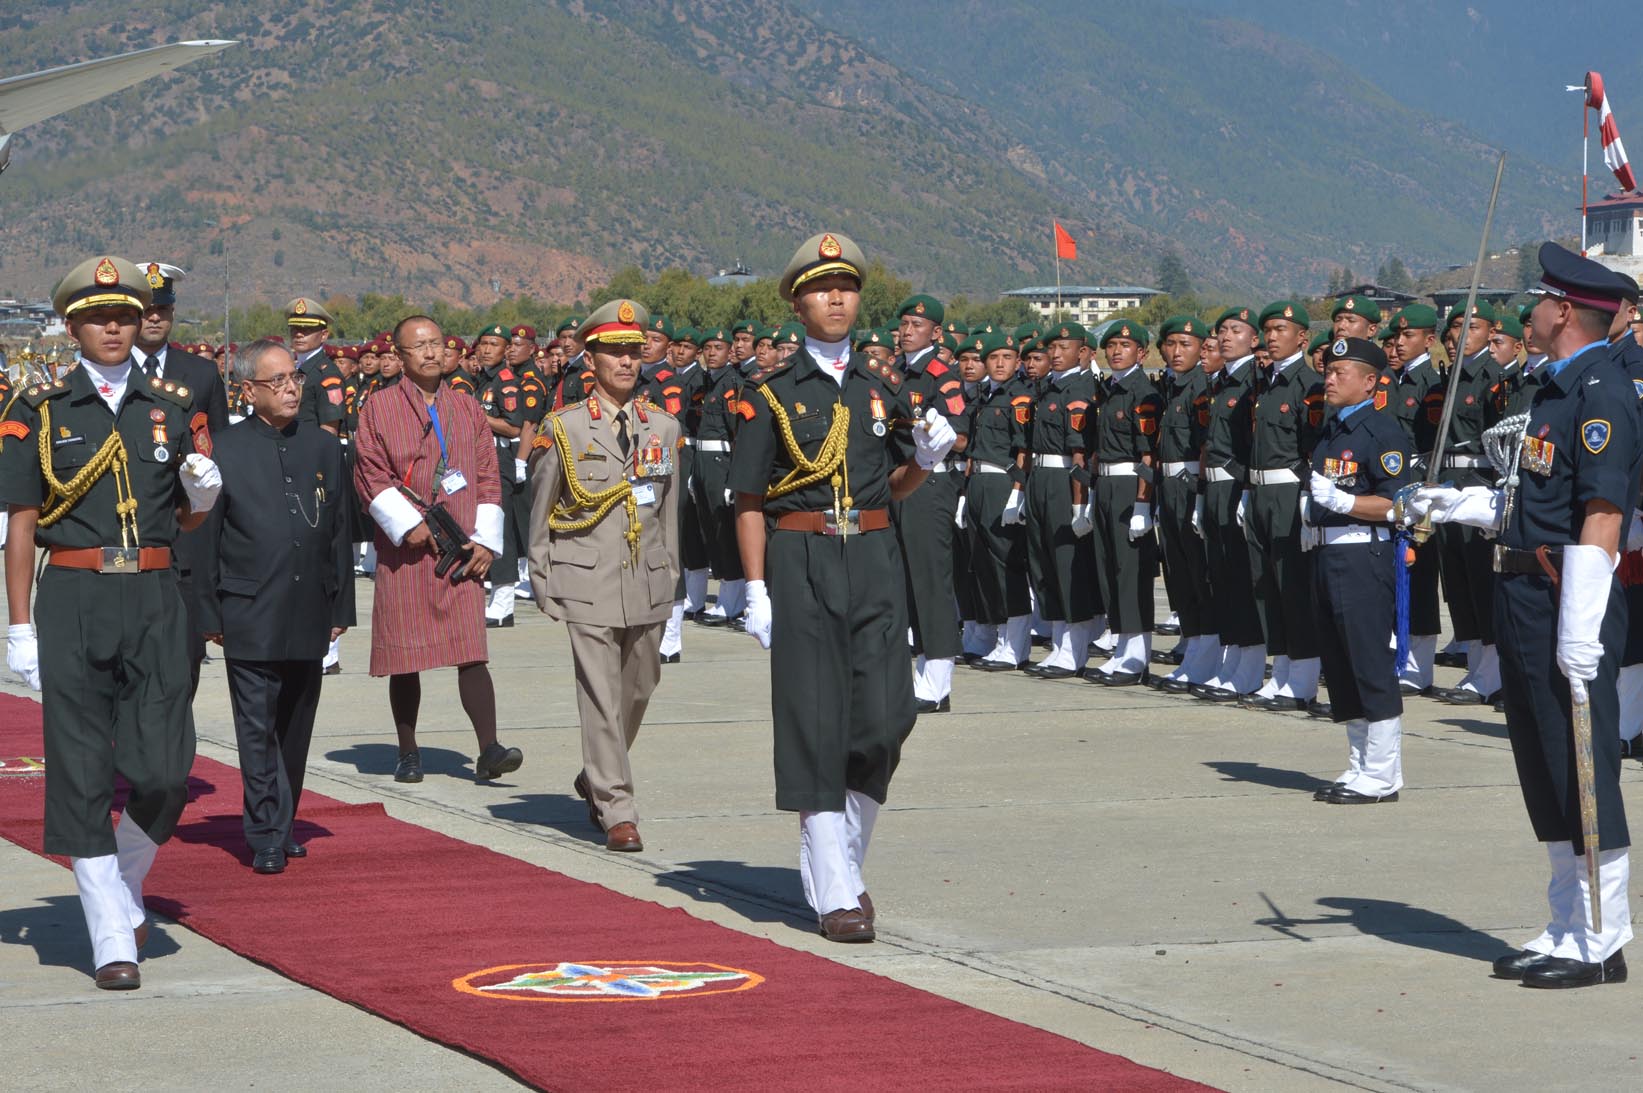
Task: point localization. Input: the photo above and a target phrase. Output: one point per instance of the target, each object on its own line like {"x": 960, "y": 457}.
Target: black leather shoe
{"x": 1461, "y": 696}
{"x": 1167, "y": 628}
{"x": 1554, "y": 972}
{"x": 334, "y": 670}
{"x": 1114, "y": 679}
{"x": 295, "y": 850}
{"x": 1456, "y": 659}
{"x": 985, "y": 665}
{"x": 1409, "y": 690}
{"x": 268, "y": 860}
{"x": 1340, "y": 795}
{"x": 1053, "y": 671}
{"x": 1322, "y": 793}
{"x": 713, "y": 620}
{"x": 1214, "y": 694}
{"x": 409, "y": 768}
{"x": 1513, "y": 965}
{"x": 1499, "y": 704}
{"x": 496, "y": 761}
{"x": 1277, "y": 703}
{"x": 1321, "y": 710}
{"x": 499, "y": 624}
{"x": 670, "y": 658}
{"x": 944, "y": 706}
{"x": 1171, "y": 686}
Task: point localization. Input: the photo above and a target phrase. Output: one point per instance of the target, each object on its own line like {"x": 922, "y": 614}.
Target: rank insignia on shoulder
{"x": 543, "y": 441}
{"x": 593, "y": 407}
{"x": 1595, "y": 435}
{"x": 1392, "y": 462}
{"x": 14, "y": 429}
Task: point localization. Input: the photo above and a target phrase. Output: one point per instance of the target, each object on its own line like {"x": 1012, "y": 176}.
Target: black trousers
{"x": 1186, "y": 566}
{"x": 1467, "y": 560}
{"x": 924, "y": 522}
{"x": 1226, "y": 555}
{"x": 1124, "y": 569}
{"x": 1538, "y": 719}
{"x": 1281, "y": 571}
{"x": 1061, "y": 565}
{"x": 1357, "y": 607}
{"x": 998, "y": 553}
{"x": 274, "y": 703}
{"x": 692, "y": 542}
{"x": 841, "y": 694}
{"x": 1423, "y": 590}
{"x": 505, "y": 569}
{"x": 114, "y": 698}
{"x": 716, "y": 517}
{"x": 196, "y": 637}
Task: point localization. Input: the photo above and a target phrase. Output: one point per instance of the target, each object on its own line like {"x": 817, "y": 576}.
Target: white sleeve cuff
{"x": 488, "y": 528}
{"x": 395, "y": 515}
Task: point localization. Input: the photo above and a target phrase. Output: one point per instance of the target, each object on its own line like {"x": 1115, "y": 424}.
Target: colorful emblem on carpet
{"x": 605, "y": 982}
{"x": 23, "y": 764}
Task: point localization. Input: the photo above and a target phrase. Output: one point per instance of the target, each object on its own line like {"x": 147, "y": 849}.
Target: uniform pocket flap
{"x": 239, "y": 586}
{"x": 577, "y": 554}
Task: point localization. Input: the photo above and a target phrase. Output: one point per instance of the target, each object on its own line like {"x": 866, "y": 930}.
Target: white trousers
{"x": 832, "y": 852}
{"x": 1130, "y": 653}
{"x": 106, "y": 903}
{"x": 1417, "y": 663}
{"x": 1569, "y": 934}
{"x": 1374, "y": 764}
{"x": 932, "y": 679}
{"x": 673, "y": 632}
{"x": 333, "y": 653}
{"x": 500, "y": 605}
{"x": 695, "y": 590}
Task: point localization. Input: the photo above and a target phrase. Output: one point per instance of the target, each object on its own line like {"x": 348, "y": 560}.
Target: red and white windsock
{"x": 1614, "y": 153}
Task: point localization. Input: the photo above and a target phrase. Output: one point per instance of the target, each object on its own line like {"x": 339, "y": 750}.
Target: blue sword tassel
{"x": 1402, "y": 544}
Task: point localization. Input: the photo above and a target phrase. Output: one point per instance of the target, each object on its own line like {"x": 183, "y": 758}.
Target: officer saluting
{"x": 103, "y": 468}
{"x": 1558, "y": 529}
{"x": 1361, "y": 460}
{"x": 823, "y": 448}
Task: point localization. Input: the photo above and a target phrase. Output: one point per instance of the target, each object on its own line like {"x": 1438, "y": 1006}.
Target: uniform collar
{"x": 1409, "y": 368}
{"x": 262, "y": 428}
{"x": 1352, "y": 416}
{"x": 1564, "y": 374}
{"x": 917, "y": 362}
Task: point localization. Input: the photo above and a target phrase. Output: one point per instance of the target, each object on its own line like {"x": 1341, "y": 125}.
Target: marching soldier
{"x": 924, "y": 519}
{"x": 995, "y": 500}
{"x": 603, "y": 557}
{"x": 103, "y": 468}
{"x": 1562, "y": 614}
{"x": 1361, "y": 460}
{"x": 822, "y": 450}
{"x": 1125, "y": 435}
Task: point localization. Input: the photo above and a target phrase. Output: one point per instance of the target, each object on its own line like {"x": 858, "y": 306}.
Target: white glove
{"x": 1012, "y": 508}
{"x": 1198, "y": 516}
{"x": 519, "y": 470}
{"x": 730, "y": 497}
{"x": 1584, "y": 597}
{"x": 1140, "y": 520}
{"x": 23, "y": 653}
{"x": 1478, "y": 506}
{"x": 1243, "y": 504}
{"x": 958, "y": 513}
{"x": 933, "y": 439}
{"x": 1082, "y": 524}
{"x": 1327, "y": 495}
{"x": 756, "y": 615}
{"x": 202, "y": 481}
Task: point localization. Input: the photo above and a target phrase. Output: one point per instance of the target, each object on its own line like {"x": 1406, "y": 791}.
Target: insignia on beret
{"x": 1339, "y": 349}
{"x": 625, "y": 312}
{"x": 106, "y": 274}
{"x": 1244, "y": 314}
{"x": 918, "y": 308}
{"x": 1595, "y": 435}
{"x": 1124, "y": 331}
{"x": 1065, "y": 333}
{"x": 1351, "y": 305}
{"x": 1289, "y": 312}
{"x": 155, "y": 278}
{"x": 300, "y": 307}
{"x": 450, "y": 343}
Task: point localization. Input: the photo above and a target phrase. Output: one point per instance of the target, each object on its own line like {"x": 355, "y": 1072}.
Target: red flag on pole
{"x": 1065, "y": 245}
{"x": 1614, "y": 153}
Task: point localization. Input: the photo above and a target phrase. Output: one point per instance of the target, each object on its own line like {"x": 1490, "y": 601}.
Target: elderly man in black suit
{"x": 156, "y": 356}
{"x": 280, "y": 587}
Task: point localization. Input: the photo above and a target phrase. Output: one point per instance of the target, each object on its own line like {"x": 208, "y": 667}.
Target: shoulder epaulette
{"x": 884, "y": 372}
{"x": 40, "y": 392}
{"x": 936, "y": 367}
{"x": 543, "y": 440}
{"x": 649, "y": 405}
{"x": 171, "y": 390}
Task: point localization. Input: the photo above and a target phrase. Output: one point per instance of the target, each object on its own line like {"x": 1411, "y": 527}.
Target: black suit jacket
{"x": 279, "y": 570}
{"x": 205, "y": 388}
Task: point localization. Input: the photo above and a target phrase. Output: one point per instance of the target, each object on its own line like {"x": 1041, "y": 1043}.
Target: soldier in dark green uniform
{"x": 1289, "y": 411}
{"x": 576, "y": 378}
{"x": 743, "y": 338}
{"x": 503, "y": 400}
{"x": 1181, "y": 429}
{"x": 1353, "y": 317}
{"x": 714, "y": 400}
{"x": 995, "y": 496}
{"x": 103, "y": 468}
{"x": 924, "y": 520}
{"x": 826, "y": 442}
{"x": 1124, "y": 438}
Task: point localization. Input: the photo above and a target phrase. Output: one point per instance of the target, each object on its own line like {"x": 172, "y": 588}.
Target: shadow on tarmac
{"x": 1396, "y": 922}
{"x": 1495, "y": 729}
{"x": 761, "y": 893}
{"x": 563, "y": 812}
{"x": 382, "y": 758}
{"x": 1276, "y": 777}
{"x": 55, "y": 929}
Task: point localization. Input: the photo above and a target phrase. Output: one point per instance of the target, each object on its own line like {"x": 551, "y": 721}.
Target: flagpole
{"x": 1057, "y": 316}
{"x": 1585, "y": 150}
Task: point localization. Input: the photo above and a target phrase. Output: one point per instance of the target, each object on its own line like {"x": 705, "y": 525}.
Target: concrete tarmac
{"x": 1143, "y": 873}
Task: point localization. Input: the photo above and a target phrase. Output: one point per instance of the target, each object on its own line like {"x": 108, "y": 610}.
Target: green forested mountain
{"x": 469, "y": 149}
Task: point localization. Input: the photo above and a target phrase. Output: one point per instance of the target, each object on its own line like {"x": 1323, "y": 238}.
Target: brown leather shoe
{"x": 846, "y": 925}
{"x": 122, "y": 975}
{"x": 141, "y": 933}
{"x": 585, "y": 791}
{"x": 867, "y": 907}
{"x": 624, "y": 836}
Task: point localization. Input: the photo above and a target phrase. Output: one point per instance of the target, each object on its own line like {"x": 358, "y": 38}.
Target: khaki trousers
{"x": 616, "y": 670}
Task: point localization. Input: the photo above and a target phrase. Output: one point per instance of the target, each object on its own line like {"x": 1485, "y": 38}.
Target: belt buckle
{"x": 1499, "y": 556}
{"x": 120, "y": 560}
{"x": 852, "y": 523}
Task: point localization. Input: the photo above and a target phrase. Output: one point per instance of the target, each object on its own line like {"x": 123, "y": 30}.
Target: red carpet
{"x": 608, "y": 992}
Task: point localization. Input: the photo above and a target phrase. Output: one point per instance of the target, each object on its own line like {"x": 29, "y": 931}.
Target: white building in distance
{"x": 1087, "y": 304}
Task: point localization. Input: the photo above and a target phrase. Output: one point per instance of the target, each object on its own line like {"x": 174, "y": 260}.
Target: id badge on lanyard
{"x": 449, "y": 479}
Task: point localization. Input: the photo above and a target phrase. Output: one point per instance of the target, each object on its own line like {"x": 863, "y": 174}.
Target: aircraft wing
{"x": 37, "y": 96}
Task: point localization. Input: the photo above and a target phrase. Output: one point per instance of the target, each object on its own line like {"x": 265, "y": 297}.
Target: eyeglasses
{"x": 288, "y": 379}
{"x": 420, "y": 346}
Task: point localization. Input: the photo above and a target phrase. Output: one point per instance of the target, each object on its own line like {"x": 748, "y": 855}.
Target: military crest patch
{"x": 1392, "y": 463}
{"x": 829, "y": 247}
{"x": 156, "y": 280}
{"x": 105, "y": 274}
{"x": 1595, "y": 435}
{"x": 624, "y": 313}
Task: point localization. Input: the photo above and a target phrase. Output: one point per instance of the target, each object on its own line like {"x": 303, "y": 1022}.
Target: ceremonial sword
{"x": 1580, "y": 707}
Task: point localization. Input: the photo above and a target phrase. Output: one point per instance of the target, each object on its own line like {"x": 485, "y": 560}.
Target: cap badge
{"x": 1339, "y": 348}
{"x": 155, "y": 279}
{"x": 1065, "y": 333}
{"x": 829, "y": 247}
{"x": 1350, "y": 304}
{"x": 624, "y": 313}
{"x": 1289, "y": 312}
{"x": 300, "y": 307}
{"x": 1123, "y": 331}
{"x": 918, "y": 308}
{"x": 106, "y": 274}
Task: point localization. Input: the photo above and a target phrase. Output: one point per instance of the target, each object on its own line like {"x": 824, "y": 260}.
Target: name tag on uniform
{"x": 453, "y": 482}
{"x": 644, "y": 493}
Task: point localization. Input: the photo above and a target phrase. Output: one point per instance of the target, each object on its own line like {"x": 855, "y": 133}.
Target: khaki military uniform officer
{"x": 604, "y": 555}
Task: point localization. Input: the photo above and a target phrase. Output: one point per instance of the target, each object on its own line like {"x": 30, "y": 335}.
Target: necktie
{"x": 622, "y": 432}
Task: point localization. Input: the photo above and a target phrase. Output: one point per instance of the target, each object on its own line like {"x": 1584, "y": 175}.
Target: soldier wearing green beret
{"x": 1289, "y": 412}
{"x": 502, "y": 397}
{"x": 576, "y": 377}
{"x": 744, "y": 336}
{"x": 715, "y": 398}
{"x": 827, "y": 441}
{"x": 1178, "y": 506}
{"x": 975, "y": 641}
{"x": 995, "y": 502}
{"x": 924, "y": 520}
{"x": 663, "y": 383}
{"x": 1353, "y": 317}
{"x": 104, "y": 467}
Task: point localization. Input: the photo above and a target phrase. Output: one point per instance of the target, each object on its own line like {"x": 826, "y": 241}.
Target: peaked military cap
{"x": 101, "y": 282}
{"x": 926, "y": 307}
{"x": 1361, "y": 350}
{"x": 161, "y": 277}
{"x": 1288, "y": 310}
{"x": 1183, "y": 324}
{"x": 307, "y": 314}
{"x": 817, "y": 257}
{"x": 1358, "y": 305}
{"x": 1416, "y": 317}
{"x": 619, "y": 322}
{"x": 1581, "y": 281}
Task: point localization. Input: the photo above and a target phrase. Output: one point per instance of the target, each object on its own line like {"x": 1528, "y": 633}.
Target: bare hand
{"x": 419, "y": 538}
{"x": 480, "y": 564}
{"x": 214, "y": 639}
{"x": 337, "y": 632}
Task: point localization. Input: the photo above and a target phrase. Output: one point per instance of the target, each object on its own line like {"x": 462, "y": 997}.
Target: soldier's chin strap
{"x": 563, "y": 518}
{"x": 62, "y": 496}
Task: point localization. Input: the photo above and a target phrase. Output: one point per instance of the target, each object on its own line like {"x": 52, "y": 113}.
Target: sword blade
{"x": 1580, "y": 706}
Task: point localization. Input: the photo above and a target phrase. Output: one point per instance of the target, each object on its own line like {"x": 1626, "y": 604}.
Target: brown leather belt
{"x": 1542, "y": 561}
{"x": 824, "y": 523}
{"x": 110, "y": 559}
